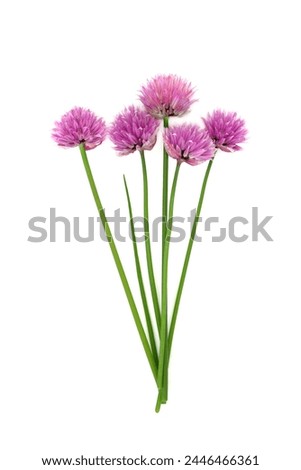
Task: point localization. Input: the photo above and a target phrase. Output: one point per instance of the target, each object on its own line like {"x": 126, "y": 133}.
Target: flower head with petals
{"x": 79, "y": 126}
{"x": 188, "y": 143}
{"x": 133, "y": 129}
{"x": 167, "y": 95}
{"x": 226, "y": 130}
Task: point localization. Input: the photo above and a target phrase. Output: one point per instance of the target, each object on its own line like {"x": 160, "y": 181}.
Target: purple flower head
{"x": 226, "y": 130}
{"x": 188, "y": 143}
{"x": 167, "y": 95}
{"x": 79, "y": 126}
{"x": 132, "y": 130}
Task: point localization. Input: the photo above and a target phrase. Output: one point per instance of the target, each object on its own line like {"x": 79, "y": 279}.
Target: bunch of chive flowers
{"x": 163, "y": 100}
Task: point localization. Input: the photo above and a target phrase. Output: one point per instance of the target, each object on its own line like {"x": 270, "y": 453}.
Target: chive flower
{"x": 226, "y": 130}
{"x": 188, "y": 143}
{"x": 133, "y": 129}
{"x": 79, "y": 126}
{"x": 167, "y": 95}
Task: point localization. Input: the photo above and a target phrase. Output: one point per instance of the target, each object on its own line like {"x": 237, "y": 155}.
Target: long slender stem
{"x": 163, "y": 353}
{"x": 164, "y": 230}
{"x": 140, "y": 278}
{"x": 118, "y": 263}
{"x": 164, "y": 195}
{"x": 149, "y": 258}
{"x": 186, "y": 261}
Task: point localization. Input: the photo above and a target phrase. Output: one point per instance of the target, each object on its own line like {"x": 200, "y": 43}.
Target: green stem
{"x": 149, "y": 259}
{"x": 164, "y": 226}
{"x": 140, "y": 278}
{"x": 164, "y": 194}
{"x": 186, "y": 261}
{"x": 163, "y": 353}
{"x": 118, "y": 263}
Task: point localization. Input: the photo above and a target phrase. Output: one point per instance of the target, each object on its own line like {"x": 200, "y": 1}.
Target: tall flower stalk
{"x": 134, "y": 129}
{"x": 162, "y": 377}
{"x": 163, "y": 383}
{"x": 164, "y": 200}
{"x": 186, "y": 260}
{"x": 140, "y": 279}
{"x": 118, "y": 263}
{"x": 148, "y": 250}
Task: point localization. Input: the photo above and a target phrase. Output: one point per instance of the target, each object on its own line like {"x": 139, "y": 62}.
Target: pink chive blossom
{"x": 226, "y": 130}
{"x": 167, "y": 95}
{"x": 133, "y": 129}
{"x": 79, "y": 126}
{"x": 188, "y": 143}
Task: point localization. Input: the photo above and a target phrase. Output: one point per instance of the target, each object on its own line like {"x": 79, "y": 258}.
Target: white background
{"x": 74, "y": 379}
